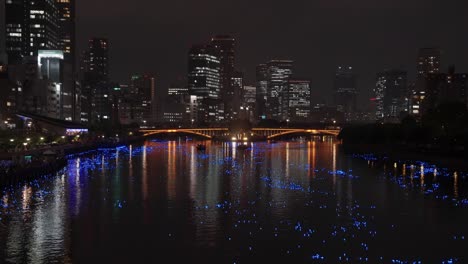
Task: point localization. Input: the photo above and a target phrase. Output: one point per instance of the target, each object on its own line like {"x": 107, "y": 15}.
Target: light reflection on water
{"x": 296, "y": 201}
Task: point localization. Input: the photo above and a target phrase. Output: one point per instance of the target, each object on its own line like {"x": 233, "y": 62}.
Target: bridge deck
{"x": 267, "y": 132}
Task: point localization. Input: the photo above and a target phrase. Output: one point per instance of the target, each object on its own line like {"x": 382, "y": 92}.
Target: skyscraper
{"x": 278, "y": 74}
{"x": 233, "y": 103}
{"x": 30, "y": 26}
{"x": 143, "y": 90}
{"x": 261, "y": 90}
{"x": 296, "y": 101}
{"x": 96, "y": 105}
{"x": 445, "y": 87}
{"x": 249, "y": 103}
{"x": 224, "y": 47}
{"x": 428, "y": 61}
{"x": 391, "y": 95}
{"x": 3, "y": 54}
{"x": 345, "y": 88}
{"x": 66, "y": 22}
{"x": 204, "y": 83}
{"x": 15, "y": 32}
{"x": 41, "y": 27}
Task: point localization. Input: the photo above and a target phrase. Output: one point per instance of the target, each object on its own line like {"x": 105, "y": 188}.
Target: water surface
{"x": 288, "y": 202}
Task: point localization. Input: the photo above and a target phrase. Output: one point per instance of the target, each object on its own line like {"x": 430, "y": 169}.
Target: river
{"x": 286, "y": 202}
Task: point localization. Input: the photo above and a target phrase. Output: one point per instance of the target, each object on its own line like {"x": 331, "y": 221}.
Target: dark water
{"x": 290, "y": 202}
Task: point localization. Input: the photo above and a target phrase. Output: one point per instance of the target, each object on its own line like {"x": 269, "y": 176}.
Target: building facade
{"x": 296, "y": 102}
{"x": 278, "y": 74}
{"x": 224, "y": 48}
{"x": 345, "y": 91}
{"x": 94, "y": 67}
{"x": 204, "y": 82}
{"x": 261, "y": 91}
{"x": 391, "y": 95}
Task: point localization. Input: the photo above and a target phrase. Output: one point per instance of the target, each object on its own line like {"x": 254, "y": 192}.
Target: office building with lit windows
{"x": 296, "y": 101}
{"x": 204, "y": 82}
{"x": 428, "y": 61}
{"x": 235, "y": 96}
{"x": 30, "y": 26}
{"x": 249, "y": 103}
{"x": 3, "y": 53}
{"x": 224, "y": 48}
{"x": 345, "y": 90}
{"x": 278, "y": 75}
{"x": 94, "y": 70}
{"x": 261, "y": 84}
{"x": 14, "y": 29}
{"x": 66, "y": 22}
{"x": 392, "y": 97}
{"x": 445, "y": 87}
{"x": 143, "y": 91}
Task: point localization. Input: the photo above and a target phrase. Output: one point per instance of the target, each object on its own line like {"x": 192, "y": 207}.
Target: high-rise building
{"x": 15, "y": 31}
{"x": 296, "y": 101}
{"x": 278, "y": 75}
{"x": 249, "y": 103}
{"x": 391, "y": 95}
{"x": 41, "y": 30}
{"x": 177, "y": 90}
{"x": 96, "y": 104}
{"x": 30, "y": 26}
{"x": 31, "y": 31}
{"x": 176, "y": 107}
{"x": 204, "y": 83}
{"x": 143, "y": 90}
{"x": 345, "y": 89}
{"x": 50, "y": 68}
{"x": 66, "y": 22}
{"x": 224, "y": 48}
{"x": 417, "y": 102}
{"x": 261, "y": 90}
{"x": 232, "y": 107}
{"x": 428, "y": 61}
{"x": 445, "y": 87}
{"x": 3, "y": 54}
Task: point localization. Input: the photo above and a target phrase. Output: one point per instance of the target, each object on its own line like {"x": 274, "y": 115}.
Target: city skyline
{"x": 319, "y": 37}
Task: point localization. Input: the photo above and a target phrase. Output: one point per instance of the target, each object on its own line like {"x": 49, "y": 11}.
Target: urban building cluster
{"x": 396, "y": 96}
{"x": 42, "y": 74}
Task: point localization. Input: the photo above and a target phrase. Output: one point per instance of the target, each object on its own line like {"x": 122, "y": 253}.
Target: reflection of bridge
{"x": 269, "y": 133}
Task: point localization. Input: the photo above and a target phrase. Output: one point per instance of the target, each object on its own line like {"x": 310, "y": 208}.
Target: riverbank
{"x": 19, "y": 173}
{"x": 21, "y": 170}
{"x": 396, "y": 152}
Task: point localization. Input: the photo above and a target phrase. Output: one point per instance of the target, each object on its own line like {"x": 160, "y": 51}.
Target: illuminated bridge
{"x": 268, "y": 133}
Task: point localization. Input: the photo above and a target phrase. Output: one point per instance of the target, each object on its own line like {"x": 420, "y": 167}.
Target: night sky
{"x": 371, "y": 35}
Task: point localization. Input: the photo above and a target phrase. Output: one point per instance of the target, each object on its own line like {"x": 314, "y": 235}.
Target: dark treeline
{"x": 444, "y": 129}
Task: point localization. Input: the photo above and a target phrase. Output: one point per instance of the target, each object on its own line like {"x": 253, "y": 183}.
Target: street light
{"x": 287, "y": 122}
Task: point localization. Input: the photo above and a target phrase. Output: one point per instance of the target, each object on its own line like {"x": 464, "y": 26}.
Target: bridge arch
{"x": 153, "y": 132}
{"x": 274, "y": 133}
{"x": 269, "y": 133}
{"x": 207, "y": 133}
